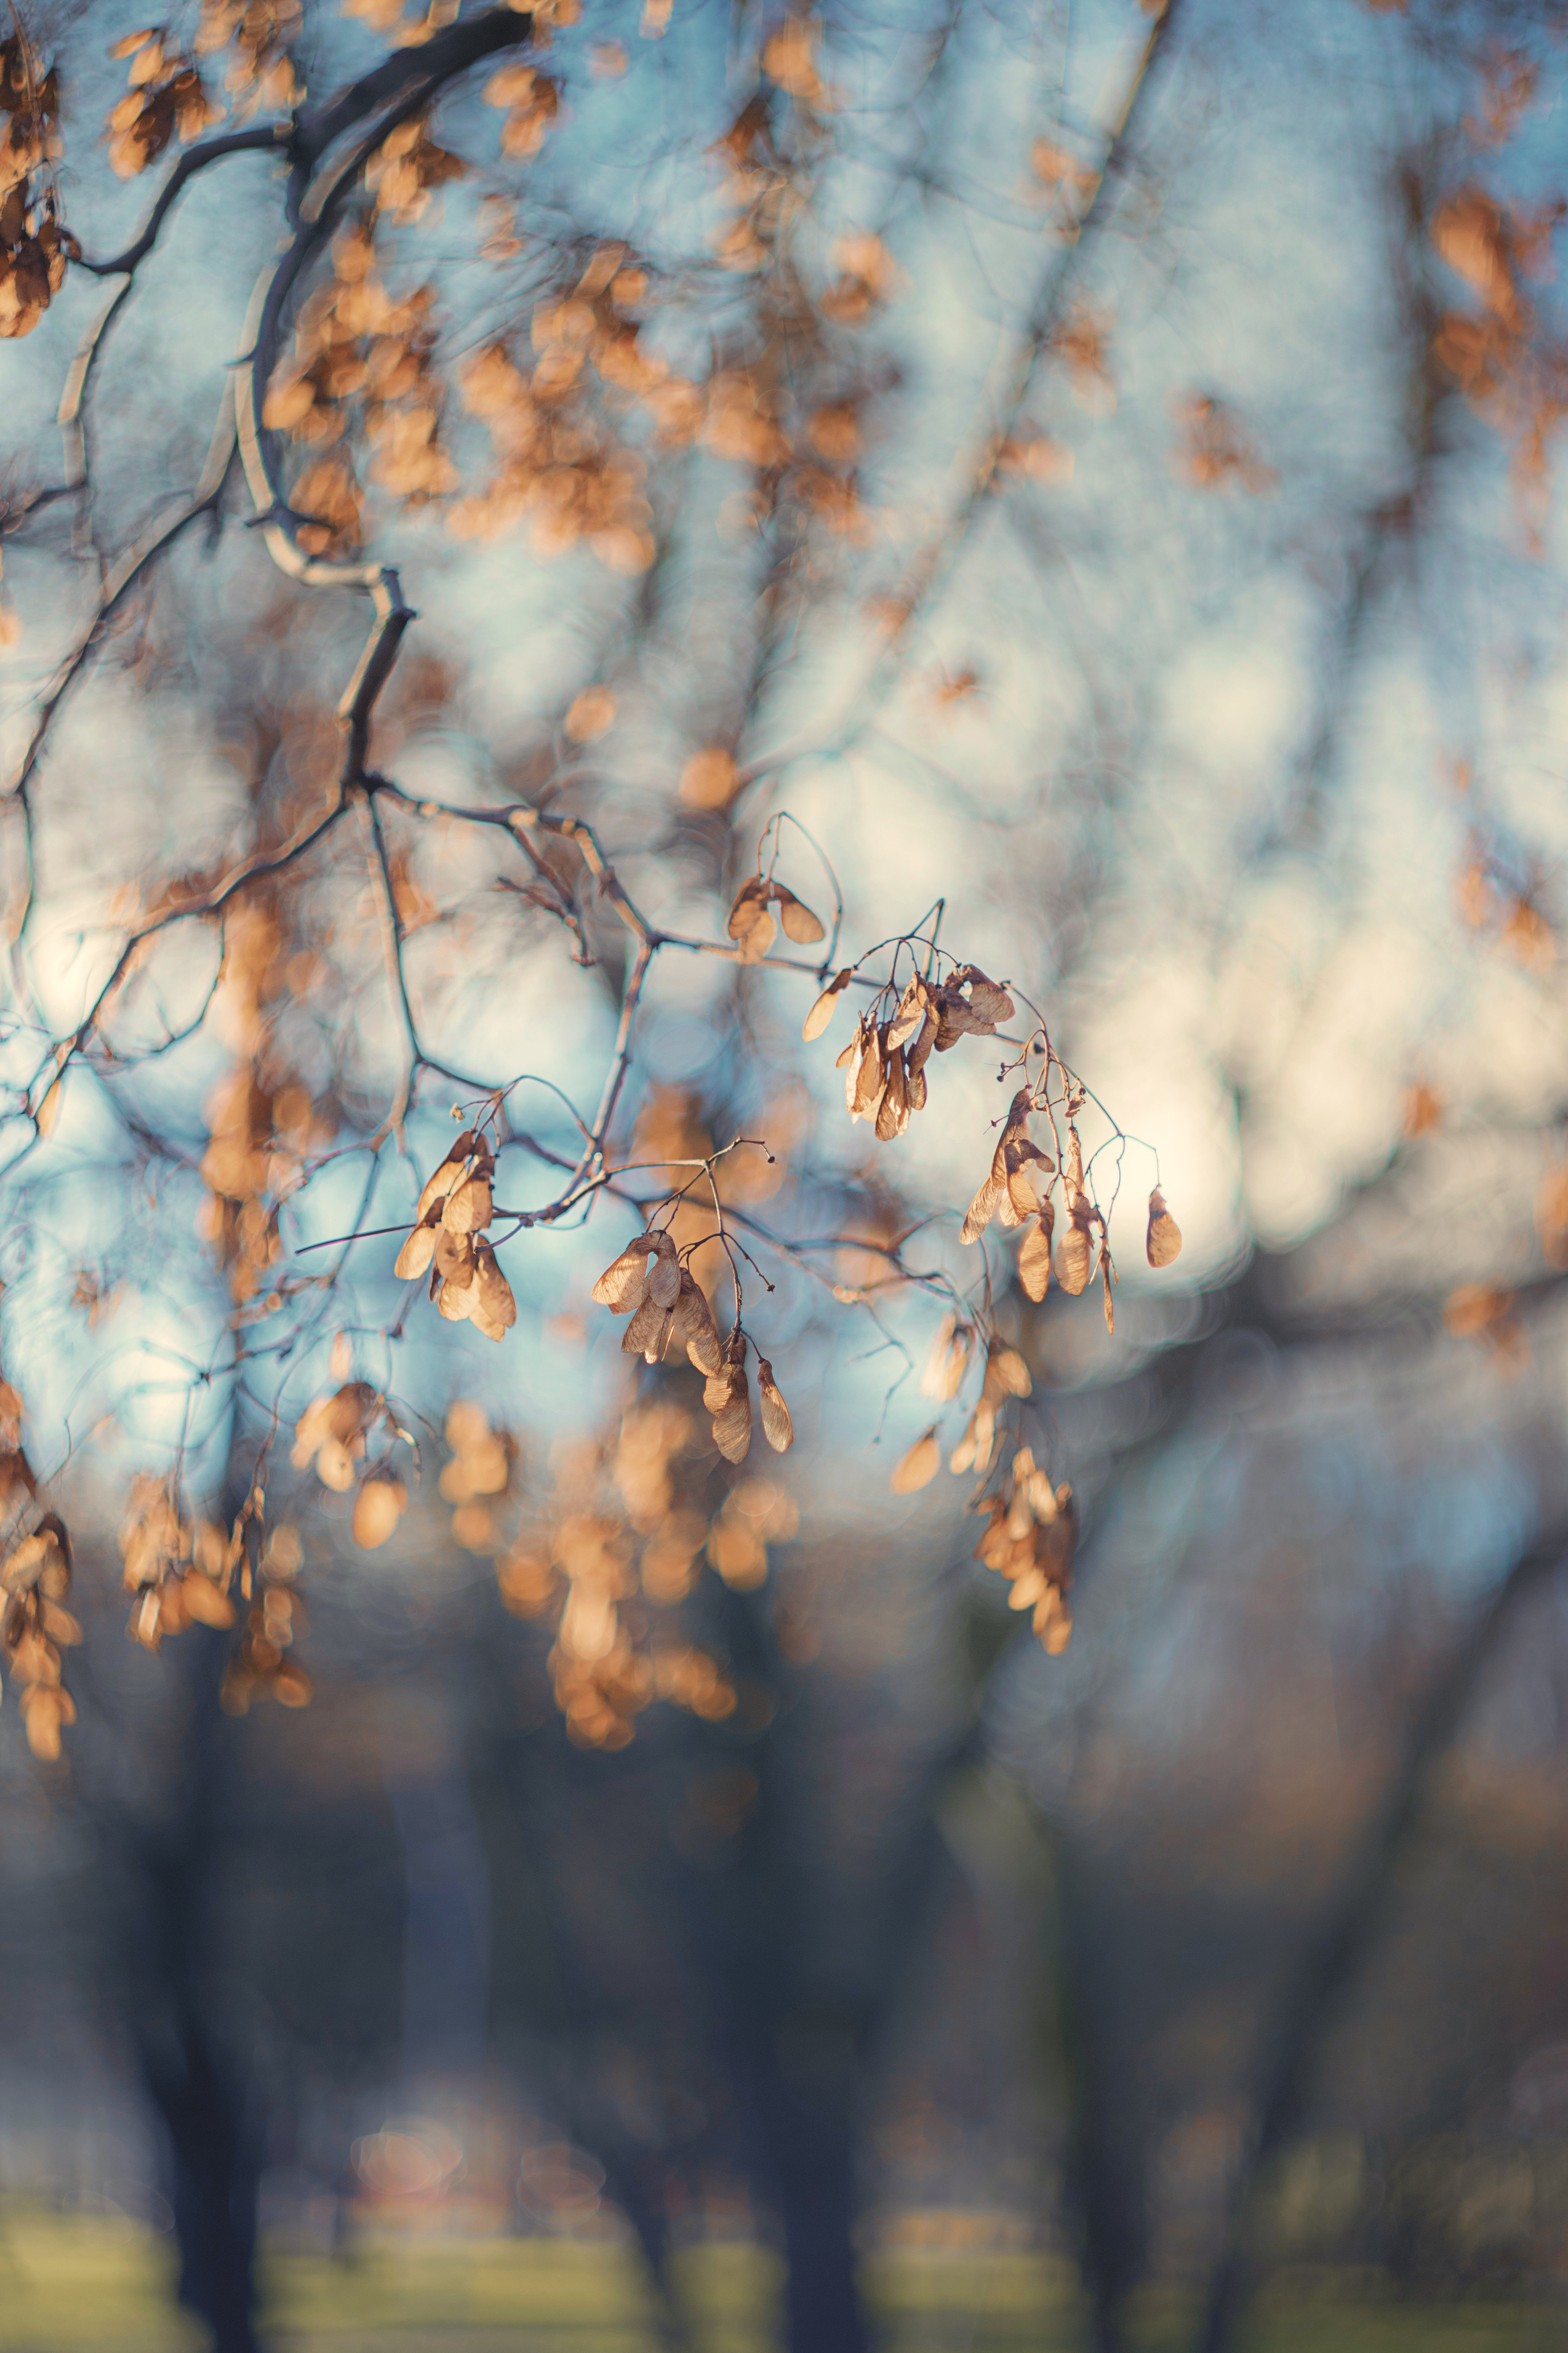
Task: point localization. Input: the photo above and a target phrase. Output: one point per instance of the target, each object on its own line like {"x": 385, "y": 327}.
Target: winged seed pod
{"x": 994, "y": 1191}
{"x": 1165, "y": 1243}
{"x": 451, "y": 1170}
{"x": 893, "y": 1110}
{"x": 456, "y": 1291}
{"x": 1034, "y": 1256}
{"x": 1107, "y": 1276}
{"x": 822, "y": 1012}
{"x": 870, "y": 1076}
{"x": 647, "y": 1334}
{"x": 414, "y": 1258}
{"x": 692, "y": 1326}
{"x": 777, "y": 1427}
{"x": 1076, "y": 1256}
{"x": 918, "y": 1466}
{"x": 494, "y": 1311}
{"x": 751, "y": 926}
{"x": 621, "y": 1286}
{"x": 987, "y": 998}
{"x": 728, "y": 1401}
{"x": 799, "y": 924}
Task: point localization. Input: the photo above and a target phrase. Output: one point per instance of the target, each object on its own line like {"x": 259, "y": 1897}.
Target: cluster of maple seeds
{"x": 34, "y": 1626}
{"x": 448, "y": 1241}
{"x": 557, "y": 464}
{"x": 261, "y": 72}
{"x": 884, "y": 1064}
{"x": 183, "y": 1571}
{"x": 361, "y": 358}
{"x": 331, "y": 1436}
{"x": 34, "y": 248}
{"x": 624, "y": 1530}
{"x": 669, "y": 1307}
{"x": 1029, "y": 1538}
{"x": 166, "y": 94}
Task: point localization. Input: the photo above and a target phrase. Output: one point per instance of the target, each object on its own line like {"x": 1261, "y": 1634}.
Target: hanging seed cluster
{"x": 650, "y": 1283}
{"x": 448, "y": 1242}
{"x": 884, "y": 1064}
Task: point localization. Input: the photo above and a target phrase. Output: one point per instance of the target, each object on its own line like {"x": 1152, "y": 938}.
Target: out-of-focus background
{"x": 1177, "y": 588}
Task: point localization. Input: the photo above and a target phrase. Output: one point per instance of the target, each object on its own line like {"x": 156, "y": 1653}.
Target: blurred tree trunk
{"x": 1331, "y": 1957}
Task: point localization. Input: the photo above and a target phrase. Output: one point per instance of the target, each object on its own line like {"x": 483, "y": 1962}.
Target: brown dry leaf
{"x": 821, "y": 1013}
{"x": 1164, "y": 1237}
{"x": 777, "y": 1427}
{"x": 799, "y": 924}
{"x": 918, "y": 1466}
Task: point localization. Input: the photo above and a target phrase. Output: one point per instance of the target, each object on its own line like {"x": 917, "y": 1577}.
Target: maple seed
{"x": 727, "y": 1398}
{"x": 920, "y": 1465}
{"x": 777, "y": 1427}
{"x": 1075, "y": 1259}
{"x": 821, "y": 1013}
{"x": 621, "y": 1286}
{"x": 799, "y": 924}
{"x": 1035, "y": 1257}
{"x": 694, "y": 1328}
{"x": 1165, "y": 1243}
